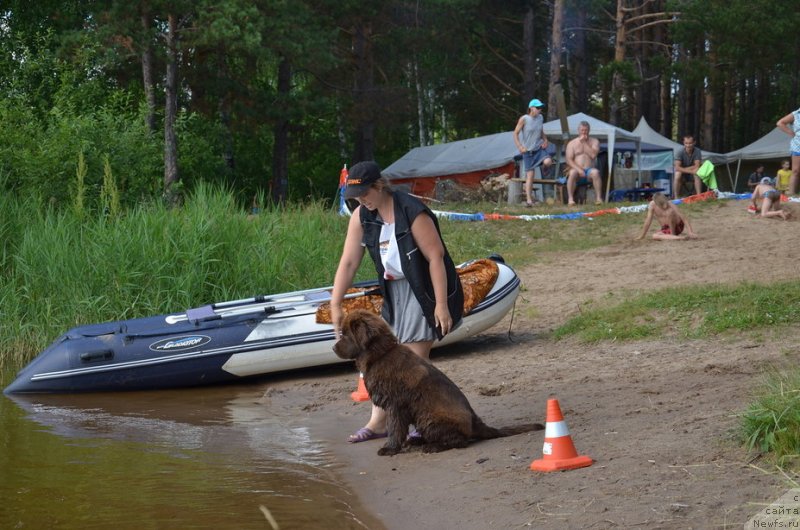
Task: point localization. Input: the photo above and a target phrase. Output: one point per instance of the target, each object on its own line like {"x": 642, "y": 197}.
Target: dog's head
{"x": 364, "y": 333}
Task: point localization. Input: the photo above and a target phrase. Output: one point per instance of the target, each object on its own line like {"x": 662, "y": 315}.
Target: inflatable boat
{"x": 226, "y": 341}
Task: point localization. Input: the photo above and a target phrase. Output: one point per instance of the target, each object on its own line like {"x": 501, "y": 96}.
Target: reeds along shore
{"x": 61, "y": 269}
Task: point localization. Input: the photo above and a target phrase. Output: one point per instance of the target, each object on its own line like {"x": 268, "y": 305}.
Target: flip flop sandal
{"x": 364, "y": 434}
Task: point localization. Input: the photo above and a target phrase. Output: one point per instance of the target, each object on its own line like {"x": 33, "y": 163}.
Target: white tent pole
{"x": 738, "y": 167}
{"x": 610, "y": 140}
{"x": 730, "y": 177}
{"x": 639, "y": 162}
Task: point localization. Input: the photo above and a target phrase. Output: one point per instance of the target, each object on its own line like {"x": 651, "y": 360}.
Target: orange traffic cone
{"x": 361, "y": 393}
{"x": 558, "y": 453}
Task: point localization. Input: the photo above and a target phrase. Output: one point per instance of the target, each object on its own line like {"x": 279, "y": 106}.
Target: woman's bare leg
{"x": 794, "y": 180}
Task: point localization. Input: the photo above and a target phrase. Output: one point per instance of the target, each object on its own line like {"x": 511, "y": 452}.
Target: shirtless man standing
{"x": 581, "y": 156}
{"x": 673, "y": 222}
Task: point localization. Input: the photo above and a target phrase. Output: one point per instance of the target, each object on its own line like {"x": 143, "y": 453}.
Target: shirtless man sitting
{"x": 581, "y": 154}
{"x": 673, "y": 222}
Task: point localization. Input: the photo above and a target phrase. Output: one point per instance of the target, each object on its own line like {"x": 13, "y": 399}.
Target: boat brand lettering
{"x": 180, "y": 343}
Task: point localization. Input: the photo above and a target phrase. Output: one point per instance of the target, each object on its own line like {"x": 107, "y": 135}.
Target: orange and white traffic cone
{"x": 361, "y": 393}
{"x": 558, "y": 453}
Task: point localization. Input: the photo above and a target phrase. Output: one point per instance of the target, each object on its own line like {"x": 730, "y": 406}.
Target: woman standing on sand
{"x": 422, "y": 294}
{"x": 790, "y": 124}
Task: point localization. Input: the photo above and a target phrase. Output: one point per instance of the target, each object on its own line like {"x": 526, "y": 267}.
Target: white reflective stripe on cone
{"x": 556, "y": 429}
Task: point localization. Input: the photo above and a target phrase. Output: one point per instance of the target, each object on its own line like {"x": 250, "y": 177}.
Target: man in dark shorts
{"x": 673, "y": 222}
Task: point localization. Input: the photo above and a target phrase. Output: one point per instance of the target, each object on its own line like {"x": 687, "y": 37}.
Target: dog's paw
{"x": 388, "y": 450}
{"x": 432, "y": 448}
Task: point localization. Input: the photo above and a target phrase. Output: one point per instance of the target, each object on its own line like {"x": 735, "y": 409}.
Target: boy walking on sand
{"x": 674, "y": 225}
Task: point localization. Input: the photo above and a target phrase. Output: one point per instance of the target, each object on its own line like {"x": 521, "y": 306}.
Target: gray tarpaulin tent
{"x": 466, "y": 161}
{"x": 772, "y": 146}
{"x": 472, "y": 159}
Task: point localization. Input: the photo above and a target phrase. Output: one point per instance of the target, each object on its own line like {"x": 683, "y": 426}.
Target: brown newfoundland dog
{"x": 411, "y": 390}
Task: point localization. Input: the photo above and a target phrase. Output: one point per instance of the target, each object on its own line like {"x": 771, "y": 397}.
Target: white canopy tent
{"x": 648, "y": 134}
{"x": 607, "y": 133}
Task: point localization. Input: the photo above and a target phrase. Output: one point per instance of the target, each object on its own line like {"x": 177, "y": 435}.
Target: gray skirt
{"x": 409, "y": 321}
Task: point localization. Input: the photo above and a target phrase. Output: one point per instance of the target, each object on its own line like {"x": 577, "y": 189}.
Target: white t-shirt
{"x": 390, "y": 254}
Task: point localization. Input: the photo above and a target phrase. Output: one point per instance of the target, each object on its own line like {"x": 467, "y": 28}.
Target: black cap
{"x": 360, "y": 178}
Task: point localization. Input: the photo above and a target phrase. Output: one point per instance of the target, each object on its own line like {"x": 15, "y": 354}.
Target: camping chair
{"x": 580, "y": 188}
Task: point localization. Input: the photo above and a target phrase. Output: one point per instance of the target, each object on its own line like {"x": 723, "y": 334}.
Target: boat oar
{"x": 215, "y": 311}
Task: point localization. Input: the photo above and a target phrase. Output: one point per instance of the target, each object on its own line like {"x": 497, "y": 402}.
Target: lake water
{"x": 213, "y": 457}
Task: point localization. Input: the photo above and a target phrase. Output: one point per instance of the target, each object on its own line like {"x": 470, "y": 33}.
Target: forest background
{"x": 269, "y": 98}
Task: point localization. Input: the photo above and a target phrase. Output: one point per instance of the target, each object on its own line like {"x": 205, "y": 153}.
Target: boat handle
{"x": 102, "y": 355}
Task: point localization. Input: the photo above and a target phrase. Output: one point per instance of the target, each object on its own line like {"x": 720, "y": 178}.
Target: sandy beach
{"x": 659, "y": 417}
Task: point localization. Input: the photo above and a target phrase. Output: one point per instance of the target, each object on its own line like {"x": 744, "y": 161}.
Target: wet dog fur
{"x": 412, "y": 391}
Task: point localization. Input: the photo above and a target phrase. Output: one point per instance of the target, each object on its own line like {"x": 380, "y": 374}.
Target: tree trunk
{"x": 617, "y": 84}
{"x": 225, "y": 119}
{"x": 743, "y": 107}
{"x": 580, "y": 101}
{"x": 147, "y": 70}
{"x": 665, "y": 127}
{"x": 423, "y": 129}
{"x": 709, "y": 104}
{"x": 555, "y": 58}
{"x": 529, "y": 57}
{"x": 727, "y": 124}
{"x": 364, "y": 93}
{"x": 171, "y": 174}
{"x": 664, "y": 124}
{"x": 280, "y": 147}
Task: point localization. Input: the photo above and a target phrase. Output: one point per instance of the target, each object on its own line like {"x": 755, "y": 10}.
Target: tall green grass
{"x": 771, "y": 424}
{"x": 61, "y": 270}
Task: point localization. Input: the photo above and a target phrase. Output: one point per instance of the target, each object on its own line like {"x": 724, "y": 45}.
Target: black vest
{"x": 414, "y": 265}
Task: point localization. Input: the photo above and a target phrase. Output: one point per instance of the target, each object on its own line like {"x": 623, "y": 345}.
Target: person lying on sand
{"x": 674, "y": 225}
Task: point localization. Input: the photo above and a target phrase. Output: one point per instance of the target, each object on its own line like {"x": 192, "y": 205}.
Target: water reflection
{"x": 186, "y": 458}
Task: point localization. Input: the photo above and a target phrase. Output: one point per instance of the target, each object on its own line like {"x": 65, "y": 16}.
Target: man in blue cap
{"x": 532, "y": 144}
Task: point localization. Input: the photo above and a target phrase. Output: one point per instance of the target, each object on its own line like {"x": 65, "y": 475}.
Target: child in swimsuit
{"x": 770, "y": 200}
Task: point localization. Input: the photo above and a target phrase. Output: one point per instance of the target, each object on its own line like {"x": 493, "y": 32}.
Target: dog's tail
{"x": 481, "y": 431}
